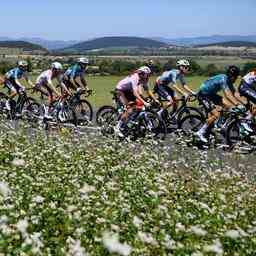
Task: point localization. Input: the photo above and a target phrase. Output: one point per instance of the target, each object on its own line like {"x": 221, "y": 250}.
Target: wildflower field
{"x": 90, "y": 195}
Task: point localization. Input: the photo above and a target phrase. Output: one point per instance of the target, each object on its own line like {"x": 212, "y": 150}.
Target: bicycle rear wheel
{"x": 84, "y": 112}
{"x": 66, "y": 114}
{"x": 104, "y": 113}
{"x": 191, "y": 123}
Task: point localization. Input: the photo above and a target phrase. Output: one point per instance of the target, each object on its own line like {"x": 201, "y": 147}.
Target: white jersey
{"x": 45, "y": 78}
{"x": 250, "y": 78}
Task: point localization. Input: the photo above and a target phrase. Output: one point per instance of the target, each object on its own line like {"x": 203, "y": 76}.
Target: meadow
{"x": 72, "y": 195}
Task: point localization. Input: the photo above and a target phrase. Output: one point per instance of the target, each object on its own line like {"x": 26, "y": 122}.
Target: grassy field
{"x": 103, "y": 85}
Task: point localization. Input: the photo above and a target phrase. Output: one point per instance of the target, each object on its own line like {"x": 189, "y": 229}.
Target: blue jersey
{"x": 171, "y": 76}
{"x": 15, "y": 73}
{"x": 216, "y": 84}
{"x": 74, "y": 71}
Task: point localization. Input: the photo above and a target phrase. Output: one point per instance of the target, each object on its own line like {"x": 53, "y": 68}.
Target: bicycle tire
{"x": 191, "y": 123}
{"x": 86, "y": 114}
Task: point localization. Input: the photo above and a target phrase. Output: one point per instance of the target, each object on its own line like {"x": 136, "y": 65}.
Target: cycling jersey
{"x": 46, "y": 77}
{"x": 130, "y": 83}
{"x": 246, "y": 87}
{"x": 74, "y": 71}
{"x": 250, "y": 78}
{"x": 216, "y": 84}
{"x": 171, "y": 76}
{"x": 15, "y": 73}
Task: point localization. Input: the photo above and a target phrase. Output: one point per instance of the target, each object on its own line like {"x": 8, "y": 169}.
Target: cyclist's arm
{"x": 187, "y": 89}
{"x": 228, "y": 96}
{"x": 136, "y": 92}
{"x": 176, "y": 88}
{"x": 50, "y": 84}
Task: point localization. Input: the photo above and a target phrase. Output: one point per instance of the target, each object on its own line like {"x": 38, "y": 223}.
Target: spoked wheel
{"x": 3, "y": 99}
{"x": 153, "y": 125}
{"x": 103, "y": 114}
{"x": 84, "y": 112}
{"x": 234, "y": 133}
{"x": 107, "y": 121}
{"x": 189, "y": 111}
{"x": 66, "y": 115}
{"x": 32, "y": 111}
{"x": 191, "y": 123}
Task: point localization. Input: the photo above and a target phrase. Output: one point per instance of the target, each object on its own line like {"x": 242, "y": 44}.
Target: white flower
{"x": 233, "y": 234}
{"x": 75, "y": 248}
{"x": 111, "y": 242}
{"x": 198, "y": 231}
{"x": 179, "y": 227}
{"x": 22, "y": 226}
{"x": 18, "y": 162}
{"x": 38, "y": 199}
{"x": 216, "y": 247}
{"x": 85, "y": 190}
{"x": 4, "y": 189}
{"x": 137, "y": 221}
{"x": 147, "y": 238}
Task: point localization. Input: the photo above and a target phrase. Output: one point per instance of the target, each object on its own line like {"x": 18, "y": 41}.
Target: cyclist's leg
{"x": 214, "y": 105}
{"x": 12, "y": 93}
{"x": 249, "y": 94}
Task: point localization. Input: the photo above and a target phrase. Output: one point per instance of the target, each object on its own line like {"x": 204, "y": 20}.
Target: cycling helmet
{"x": 56, "y": 65}
{"x": 22, "y": 63}
{"x": 183, "y": 63}
{"x": 83, "y": 60}
{"x": 145, "y": 70}
{"x": 233, "y": 71}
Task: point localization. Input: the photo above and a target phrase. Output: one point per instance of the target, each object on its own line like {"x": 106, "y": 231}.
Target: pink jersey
{"x": 129, "y": 83}
{"x": 45, "y": 78}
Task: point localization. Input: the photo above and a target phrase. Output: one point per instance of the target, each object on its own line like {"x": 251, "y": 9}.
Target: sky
{"x": 86, "y": 19}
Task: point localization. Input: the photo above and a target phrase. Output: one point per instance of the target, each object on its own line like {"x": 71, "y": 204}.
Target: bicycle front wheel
{"x": 84, "y": 112}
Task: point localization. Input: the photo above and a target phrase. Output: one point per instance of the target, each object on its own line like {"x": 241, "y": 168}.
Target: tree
{"x": 211, "y": 70}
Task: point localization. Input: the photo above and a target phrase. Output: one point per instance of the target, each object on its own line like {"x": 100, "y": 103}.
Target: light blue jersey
{"x": 74, "y": 71}
{"x": 216, "y": 84}
{"x": 15, "y": 73}
{"x": 171, "y": 77}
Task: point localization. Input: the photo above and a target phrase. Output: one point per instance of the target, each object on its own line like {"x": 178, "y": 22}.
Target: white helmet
{"x": 145, "y": 70}
{"x": 22, "y": 63}
{"x": 56, "y": 65}
{"x": 83, "y": 60}
{"x": 183, "y": 63}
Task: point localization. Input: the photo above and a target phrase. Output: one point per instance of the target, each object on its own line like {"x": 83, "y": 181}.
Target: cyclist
{"x": 171, "y": 77}
{"x": 74, "y": 77}
{"x": 129, "y": 91}
{"x": 45, "y": 85}
{"x": 247, "y": 89}
{"x": 12, "y": 82}
{"x": 213, "y": 102}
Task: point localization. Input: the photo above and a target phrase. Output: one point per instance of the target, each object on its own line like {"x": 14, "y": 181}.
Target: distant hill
{"x": 230, "y": 44}
{"x": 48, "y": 44}
{"x": 25, "y": 46}
{"x": 112, "y": 42}
{"x": 191, "y": 41}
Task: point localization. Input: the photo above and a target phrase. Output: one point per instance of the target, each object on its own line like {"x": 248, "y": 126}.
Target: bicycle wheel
{"x": 66, "y": 114}
{"x": 3, "y": 99}
{"x": 233, "y": 133}
{"x": 32, "y": 111}
{"x": 151, "y": 124}
{"x": 101, "y": 114}
{"x": 189, "y": 111}
{"x": 191, "y": 123}
{"x": 84, "y": 112}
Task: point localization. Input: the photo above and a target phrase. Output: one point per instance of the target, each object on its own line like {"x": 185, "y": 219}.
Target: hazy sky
{"x": 84, "y": 19}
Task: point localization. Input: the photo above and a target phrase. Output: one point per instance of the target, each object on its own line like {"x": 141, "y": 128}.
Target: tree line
{"x": 124, "y": 67}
